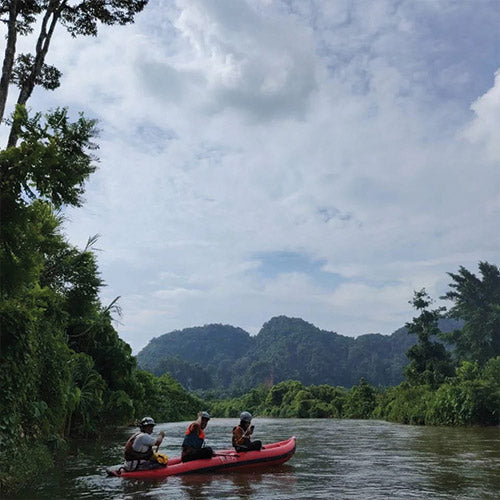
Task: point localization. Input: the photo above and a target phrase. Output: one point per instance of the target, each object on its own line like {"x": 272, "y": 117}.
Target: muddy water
{"x": 335, "y": 459}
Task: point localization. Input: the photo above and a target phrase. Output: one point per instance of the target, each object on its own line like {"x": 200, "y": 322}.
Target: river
{"x": 335, "y": 459}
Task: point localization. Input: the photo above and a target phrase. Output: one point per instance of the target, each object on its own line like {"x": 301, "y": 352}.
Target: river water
{"x": 335, "y": 459}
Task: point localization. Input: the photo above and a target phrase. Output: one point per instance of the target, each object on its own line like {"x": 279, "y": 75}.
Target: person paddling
{"x": 242, "y": 433}
{"x": 193, "y": 446}
{"x": 139, "y": 448}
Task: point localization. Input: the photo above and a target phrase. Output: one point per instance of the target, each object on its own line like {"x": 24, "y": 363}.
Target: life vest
{"x": 195, "y": 436}
{"x": 238, "y": 439}
{"x": 131, "y": 454}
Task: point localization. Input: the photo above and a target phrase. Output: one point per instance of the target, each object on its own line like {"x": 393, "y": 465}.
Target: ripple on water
{"x": 335, "y": 459}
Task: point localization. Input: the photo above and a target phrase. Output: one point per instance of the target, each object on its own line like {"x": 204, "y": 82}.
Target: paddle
{"x": 162, "y": 434}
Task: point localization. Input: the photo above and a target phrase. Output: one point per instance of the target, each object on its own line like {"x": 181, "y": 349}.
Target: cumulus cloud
{"x": 359, "y": 137}
{"x": 485, "y": 127}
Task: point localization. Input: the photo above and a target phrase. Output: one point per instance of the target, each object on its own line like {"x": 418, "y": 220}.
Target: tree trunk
{"x": 50, "y": 19}
{"x": 8, "y": 60}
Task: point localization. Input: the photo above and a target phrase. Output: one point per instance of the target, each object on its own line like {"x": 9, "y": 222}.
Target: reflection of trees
{"x": 453, "y": 460}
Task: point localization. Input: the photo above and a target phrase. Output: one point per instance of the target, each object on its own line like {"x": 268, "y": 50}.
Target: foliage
{"x": 491, "y": 371}
{"x": 430, "y": 363}
{"x": 477, "y": 302}
{"x": 360, "y": 401}
{"x": 468, "y": 399}
{"x": 23, "y": 465}
{"x": 53, "y": 160}
{"x": 191, "y": 375}
{"x": 164, "y": 398}
{"x": 434, "y": 395}
{"x": 406, "y": 404}
{"x": 287, "y": 399}
{"x": 65, "y": 372}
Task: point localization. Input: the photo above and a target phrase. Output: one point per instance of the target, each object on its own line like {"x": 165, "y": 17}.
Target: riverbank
{"x": 364, "y": 460}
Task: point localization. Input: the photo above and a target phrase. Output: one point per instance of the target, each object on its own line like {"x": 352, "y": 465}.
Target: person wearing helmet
{"x": 242, "y": 433}
{"x": 193, "y": 446}
{"x": 139, "y": 448}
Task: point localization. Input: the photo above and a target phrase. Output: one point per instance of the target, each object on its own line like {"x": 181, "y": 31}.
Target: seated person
{"x": 193, "y": 446}
{"x": 242, "y": 433}
{"x": 139, "y": 447}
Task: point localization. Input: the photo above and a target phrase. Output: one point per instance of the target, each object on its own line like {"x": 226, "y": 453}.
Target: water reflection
{"x": 244, "y": 485}
{"x": 465, "y": 462}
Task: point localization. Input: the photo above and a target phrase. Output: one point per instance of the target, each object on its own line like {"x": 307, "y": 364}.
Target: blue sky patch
{"x": 275, "y": 263}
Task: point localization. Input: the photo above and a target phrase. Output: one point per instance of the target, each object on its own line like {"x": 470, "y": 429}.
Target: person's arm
{"x": 159, "y": 439}
{"x": 248, "y": 432}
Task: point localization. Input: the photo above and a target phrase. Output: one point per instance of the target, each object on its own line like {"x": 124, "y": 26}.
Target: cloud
{"x": 316, "y": 159}
{"x": 249, "y": 62}
{"x": 485, "y": 127}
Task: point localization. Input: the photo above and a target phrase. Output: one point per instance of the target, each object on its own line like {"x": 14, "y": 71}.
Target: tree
{"x": 49, "y": 168}
{"x": 54, "y": 160}
{"x": 430, "y": 363}
{"x": 360, "y": 401}
{"x": 79, "y": 17}
{"x": 477, "y": 302}
{"x": 19, "y": 16}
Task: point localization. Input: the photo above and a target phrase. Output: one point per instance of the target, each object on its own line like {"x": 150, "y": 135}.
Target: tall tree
{"x": 18, "y": 16}
{"x": 477, "y": 302}
{"x": 430, "y": 363}
{"x": 79, "y": 17}
{"x": 52, "y": 165}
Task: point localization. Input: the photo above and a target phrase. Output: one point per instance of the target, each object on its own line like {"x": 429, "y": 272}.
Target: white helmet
{"x": 245, "y": 416}
{"x": 147, "y": 421}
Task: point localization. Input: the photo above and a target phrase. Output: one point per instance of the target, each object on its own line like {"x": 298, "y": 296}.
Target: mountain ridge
{"x": 227, "y": 360}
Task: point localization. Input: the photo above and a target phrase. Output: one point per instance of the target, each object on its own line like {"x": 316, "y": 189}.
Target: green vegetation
{"x": 64, "y": 370}
{"x": 430, "y": 363}
{"x": 477, "y": 301}
{"x": 226, "y": 361}
{"x": 471, "y": 397}
{"x": 292, "y": 399}
{"x": 441, "y": 388}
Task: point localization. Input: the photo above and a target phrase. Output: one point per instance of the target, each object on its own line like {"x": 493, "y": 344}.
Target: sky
{"x": 315, "y": 159}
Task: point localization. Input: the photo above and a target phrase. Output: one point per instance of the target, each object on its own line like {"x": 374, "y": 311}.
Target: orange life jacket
{"x": 239, "y": 438}
{"x": 195, "y": 436}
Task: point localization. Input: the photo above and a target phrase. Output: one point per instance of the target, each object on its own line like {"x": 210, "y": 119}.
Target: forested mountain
{"x": 225, "y": 359}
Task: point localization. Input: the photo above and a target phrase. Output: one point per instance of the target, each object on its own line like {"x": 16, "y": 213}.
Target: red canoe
{"x": 222, "y": 461}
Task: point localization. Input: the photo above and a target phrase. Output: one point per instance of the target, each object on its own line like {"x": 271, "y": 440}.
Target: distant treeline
{"x": 469, "y": 398}
{"x": 461, "y": 387}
